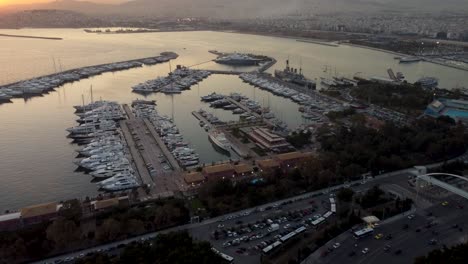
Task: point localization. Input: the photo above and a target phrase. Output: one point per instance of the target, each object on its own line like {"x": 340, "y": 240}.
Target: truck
{"x": 273, "y": 228}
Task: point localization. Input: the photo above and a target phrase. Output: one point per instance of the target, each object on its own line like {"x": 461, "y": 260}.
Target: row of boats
{"x": 169, "y": 134}
{"x": 103, "y": 155}
{"x": 255, "y": 110}
{"x": 337, "y": 82}
{"x": 211, "y": 118}
{"x": 321, "y": 104}
{"x": 45, "y": 84}
{"x": 180, "y": 79}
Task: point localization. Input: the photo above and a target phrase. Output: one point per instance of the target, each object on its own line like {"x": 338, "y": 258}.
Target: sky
{"x": 19, "y": 2}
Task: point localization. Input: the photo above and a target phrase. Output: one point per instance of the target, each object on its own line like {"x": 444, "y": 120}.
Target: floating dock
{"x": 202, "y": 118}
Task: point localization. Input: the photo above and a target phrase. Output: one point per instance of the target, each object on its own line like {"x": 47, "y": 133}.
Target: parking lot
{"x": 247, "y": 235}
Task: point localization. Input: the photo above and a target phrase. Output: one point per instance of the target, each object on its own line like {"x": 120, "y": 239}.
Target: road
{"x": 203, "y": 229}
{"x": 411, "y": 242}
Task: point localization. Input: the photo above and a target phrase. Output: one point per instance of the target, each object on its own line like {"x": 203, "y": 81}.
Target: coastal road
{"x": 297, "y": 202}
{"x": 398, "y": 177}
{"x": 412, "y": 242}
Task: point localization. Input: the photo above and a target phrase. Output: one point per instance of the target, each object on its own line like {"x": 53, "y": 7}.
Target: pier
{"x": 143, "y": 172}
{"x": 245, "y": 108}
{"x": 175, "y": 165}
{"x": 202, "y": 118}
{"x": 238, "y": 147}
{"x": 149, "y": 152}
{"x": 89, "y": 71}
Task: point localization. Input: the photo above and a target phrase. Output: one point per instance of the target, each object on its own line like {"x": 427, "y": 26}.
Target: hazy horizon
{"x": 236, "y": 9}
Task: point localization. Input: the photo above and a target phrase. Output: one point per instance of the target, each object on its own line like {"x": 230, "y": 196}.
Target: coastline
{"x": 31, "y": 37}
{"x": 330, "y": 43}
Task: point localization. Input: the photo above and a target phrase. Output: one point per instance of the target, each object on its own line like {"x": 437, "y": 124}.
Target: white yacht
{"x": 117, "y": 177}
{"x": 106, "y": 173}
{"x": 220, "y": 140}
{"x": 123, "y": 184}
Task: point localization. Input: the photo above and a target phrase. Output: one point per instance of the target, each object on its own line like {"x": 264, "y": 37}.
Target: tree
{"x": 71, "y": 210}
{"x": 109, "y": 230}
{"x": 63, "y": 232}
{"x": 345, "y": 194}
{"x": 457, "y": 254}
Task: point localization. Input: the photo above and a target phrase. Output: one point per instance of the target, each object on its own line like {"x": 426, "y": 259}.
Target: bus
{"x": 228, "y": 258}
{"x": 363, "y": 232}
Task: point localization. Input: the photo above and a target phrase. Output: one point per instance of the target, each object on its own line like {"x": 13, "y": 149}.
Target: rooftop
{"x": 243, "y": 168}
{"x": 38, "y": 210}
{"x": 218, "y": 168}
{"x": 106, "y": 203}
{"x": 293, "y": 155}
{"x": 193, "y": 177}
{"x": 268, "y": 163}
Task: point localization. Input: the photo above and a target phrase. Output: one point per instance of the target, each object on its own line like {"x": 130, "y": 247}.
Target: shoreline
{"x": 331, "y": 43}
{"x": 31, "y": 37}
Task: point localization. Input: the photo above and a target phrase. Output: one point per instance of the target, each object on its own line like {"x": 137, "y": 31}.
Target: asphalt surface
{"x": 411, "y": 242}
{"x": 203, "y": 230}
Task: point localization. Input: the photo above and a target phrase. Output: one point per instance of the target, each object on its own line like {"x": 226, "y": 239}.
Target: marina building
{"x": 194, "y": 178}
{"x": 39, "y": 213}
{"x": 29, "y": 215}
{"x": 456, "y": 109}
{"x": 101, "y": 205}
{"x": 268, "y": 165}
{"x": 268, "y": 140}
{"x": 292, "y": 159}
{"x": 219, "y": 171}
{"x": 243, "y": 169}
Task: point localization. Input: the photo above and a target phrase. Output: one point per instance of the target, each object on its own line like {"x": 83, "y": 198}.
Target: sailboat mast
{"x": 55, "y": 66}
{"x": 300, "y": 65}
{"x": 91, "y": 93}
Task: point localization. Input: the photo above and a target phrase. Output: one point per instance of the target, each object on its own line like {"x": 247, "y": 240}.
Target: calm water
{"x": 36, "y": 157}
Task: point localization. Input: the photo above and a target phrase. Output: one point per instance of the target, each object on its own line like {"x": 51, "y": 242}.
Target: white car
{"x": 365, "y": 250}
{"x": 336, "y": 245}
{"x": 410, "y": 216}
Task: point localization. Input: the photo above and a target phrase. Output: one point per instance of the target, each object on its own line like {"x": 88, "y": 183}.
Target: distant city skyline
{"x": 27, "y": 2}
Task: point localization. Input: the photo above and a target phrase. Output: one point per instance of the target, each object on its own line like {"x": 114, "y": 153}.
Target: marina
{"x": 41, "y": 121}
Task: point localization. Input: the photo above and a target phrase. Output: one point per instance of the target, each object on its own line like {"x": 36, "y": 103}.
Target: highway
{"x": 405, "y": 244}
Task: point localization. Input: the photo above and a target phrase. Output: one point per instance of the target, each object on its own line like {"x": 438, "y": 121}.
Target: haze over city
{"x": 220, "y": 131}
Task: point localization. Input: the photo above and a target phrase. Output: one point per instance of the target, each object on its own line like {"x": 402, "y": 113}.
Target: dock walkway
{"x": 245, "y": 108}
{"x": 165, "y": 151}
{"x": 202, "y": 118}
{"x": 143, "y": 172}
{"x": 128, "y": 111}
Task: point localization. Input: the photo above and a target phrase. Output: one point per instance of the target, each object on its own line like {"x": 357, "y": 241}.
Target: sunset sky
{"x": 14, "y": 2}
{"x": 18, "y": 2}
